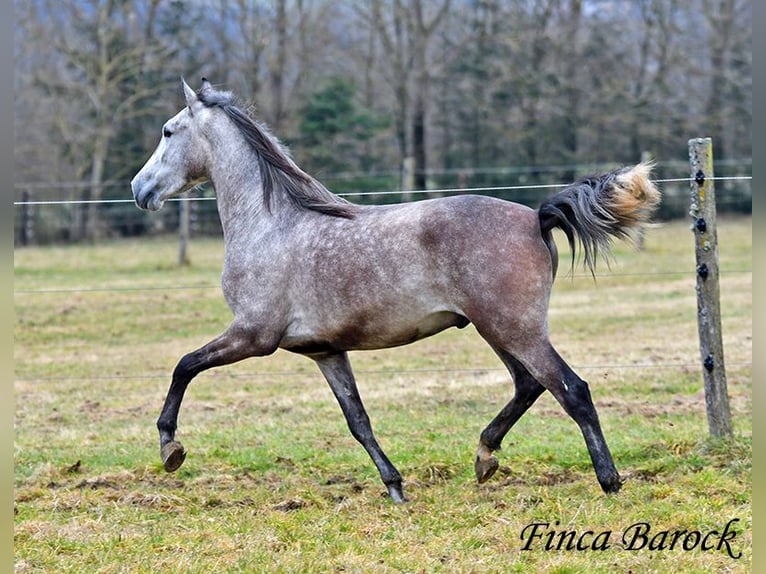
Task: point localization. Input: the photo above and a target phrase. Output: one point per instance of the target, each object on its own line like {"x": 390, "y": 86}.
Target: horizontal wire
{"x": 218, "y": 286}
{"x": 373, "y": 373}
{"x": 376, "y": 193}
{"x": 474, "y": 370}
{"x": 470, "y": 171}
{"x": 116, "y": 289}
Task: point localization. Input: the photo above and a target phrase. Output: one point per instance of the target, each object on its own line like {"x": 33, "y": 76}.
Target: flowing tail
{"x": 598, "y": 208}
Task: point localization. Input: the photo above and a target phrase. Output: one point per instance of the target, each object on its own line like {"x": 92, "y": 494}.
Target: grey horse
{"x": 307, "y": 271}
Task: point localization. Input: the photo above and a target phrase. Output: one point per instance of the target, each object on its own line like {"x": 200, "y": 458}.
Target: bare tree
{"x": 572, "y": 90}
{"x": 278, "y": 66}
{"x": 101, "y": 56}
{"x": 533, "y": 45}
{"x": 726, "y": 20}
{"x": 392, "y": 33}
{"x": 424, "y": 28}
{"x": 515, "y": 83}
{"x": 655, "y": 55}
{"x": 405, "y": 30}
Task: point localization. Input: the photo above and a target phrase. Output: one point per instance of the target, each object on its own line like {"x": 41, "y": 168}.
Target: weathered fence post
{"x": 183, "y": 231}
{"x": 26, "y": 219}
{"x": 407, "y": 178}
{"x": 708, "y": 296}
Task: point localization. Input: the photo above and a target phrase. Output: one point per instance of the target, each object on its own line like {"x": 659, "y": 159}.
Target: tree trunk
{"x": 419, "y": 142}
{"x": 574, "y": 88}
{"x": 720, "y": 16}
{"x": 92, "y": 226}
{"x": 278, "y": 69}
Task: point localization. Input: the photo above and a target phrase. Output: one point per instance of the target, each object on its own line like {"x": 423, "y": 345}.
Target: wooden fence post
{"x": 407, "y": 178}
{"x": 708, "y": 296}
{"x": 183, "y": 231}
{"x": 27, "y": 228}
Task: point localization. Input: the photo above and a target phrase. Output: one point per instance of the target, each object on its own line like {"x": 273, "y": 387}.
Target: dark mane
{"x": 278, "y": 170}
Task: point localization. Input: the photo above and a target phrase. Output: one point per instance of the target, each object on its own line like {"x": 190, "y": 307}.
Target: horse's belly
{"x": 436, "y": 322}
{"x": 366, "y": 334}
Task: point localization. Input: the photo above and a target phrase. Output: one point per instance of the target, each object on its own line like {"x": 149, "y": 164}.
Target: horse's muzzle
{"x": 145, "y": 198}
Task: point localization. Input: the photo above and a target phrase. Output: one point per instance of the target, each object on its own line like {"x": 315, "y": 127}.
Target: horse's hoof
{"x": 612, "y": 485}
{"x": 396, "y": 493}
{"x": 173, "y": 456}
{"x": 485, "y": 468}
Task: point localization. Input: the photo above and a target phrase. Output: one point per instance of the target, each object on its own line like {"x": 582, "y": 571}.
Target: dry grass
{"x": 275, "y": 483}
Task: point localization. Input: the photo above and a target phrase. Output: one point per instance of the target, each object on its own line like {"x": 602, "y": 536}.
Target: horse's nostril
{"x": 142, "y": 200}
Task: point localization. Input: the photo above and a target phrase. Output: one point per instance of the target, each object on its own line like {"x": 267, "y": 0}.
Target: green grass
{"x": 275, "y": 483}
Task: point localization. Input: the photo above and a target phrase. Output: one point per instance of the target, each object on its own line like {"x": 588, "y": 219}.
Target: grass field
{"x": 275, "y": 483}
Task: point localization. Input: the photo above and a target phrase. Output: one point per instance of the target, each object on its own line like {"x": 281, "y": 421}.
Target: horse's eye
{"x": 166, "y": 132}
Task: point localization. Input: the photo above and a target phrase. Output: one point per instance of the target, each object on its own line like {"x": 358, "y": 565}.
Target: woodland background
{"x": 378, "y": 95}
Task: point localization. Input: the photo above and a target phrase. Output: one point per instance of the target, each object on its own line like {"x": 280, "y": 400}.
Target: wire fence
{"x": 26, "y": 204}
{"x": 428, "y": 192}
{"x": 72, "y": 211}
{"x": 437, "y": 192}
{"x": 509, "y": 172}
{"x": 475, "y": 371}
{"x": 109, "y": 289}
{"x": 396, "y": 193}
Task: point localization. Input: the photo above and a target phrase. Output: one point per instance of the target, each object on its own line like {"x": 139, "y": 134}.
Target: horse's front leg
{"x": 337, "y": 370}
{"x": 233, "y": 345}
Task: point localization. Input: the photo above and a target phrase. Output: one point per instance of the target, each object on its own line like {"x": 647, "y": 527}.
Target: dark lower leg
{"x": 575, "y": 397}
{"x": 527, "y": 391}
{"x": 171, "y": 451}
{"x": 337, "y": 370}
{"x": 541, "y": 363}
{"x": 233, "y": 345}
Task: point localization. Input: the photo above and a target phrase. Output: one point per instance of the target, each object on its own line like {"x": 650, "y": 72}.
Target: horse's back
{"x": 480, "y": 218}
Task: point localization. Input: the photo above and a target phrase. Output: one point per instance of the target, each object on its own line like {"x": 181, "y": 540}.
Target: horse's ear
{"x": 189, "y": 94}
{"x": 206, "y": 85}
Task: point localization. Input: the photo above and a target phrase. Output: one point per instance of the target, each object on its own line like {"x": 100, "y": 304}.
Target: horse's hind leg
{"x": 527, "y": 390}
{"x": 337, "y": 370}
{"x": 550, "y": 370}
{"x": 233, "y": 345}
{"x": 573, "y": 394}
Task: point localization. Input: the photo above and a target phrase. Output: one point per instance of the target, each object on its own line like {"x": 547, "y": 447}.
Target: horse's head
{"x": 180, "y": 161}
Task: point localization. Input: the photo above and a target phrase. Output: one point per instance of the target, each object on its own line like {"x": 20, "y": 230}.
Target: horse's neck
{"x": 239, "y": 191}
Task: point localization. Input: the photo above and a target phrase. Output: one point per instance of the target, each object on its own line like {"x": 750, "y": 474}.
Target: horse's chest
{"x": 253, "y": 285}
